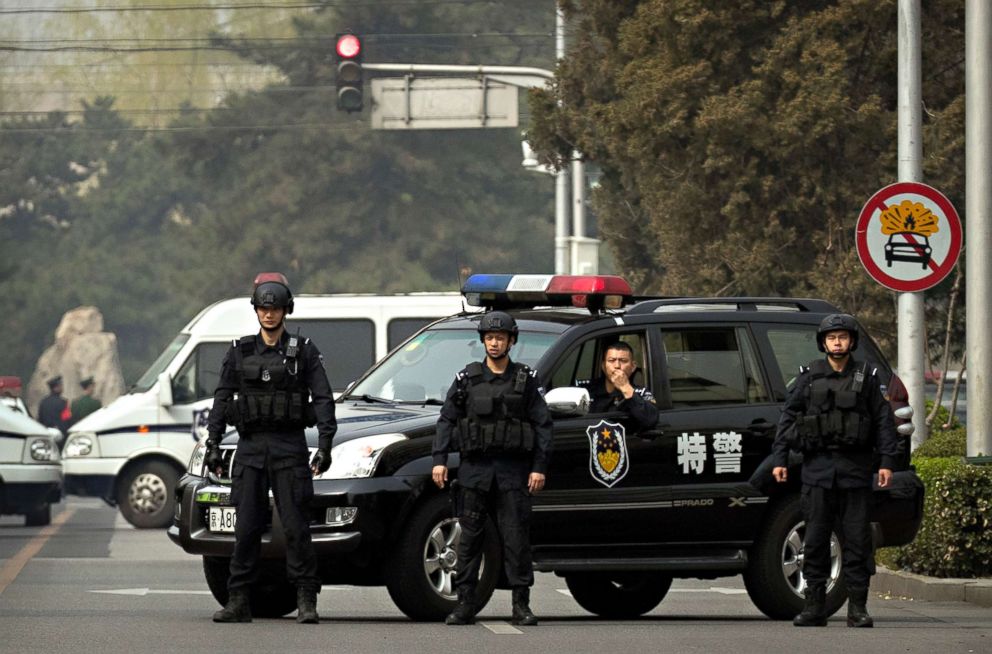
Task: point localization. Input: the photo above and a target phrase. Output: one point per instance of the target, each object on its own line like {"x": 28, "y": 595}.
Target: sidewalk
{"x": 906, "y": 584}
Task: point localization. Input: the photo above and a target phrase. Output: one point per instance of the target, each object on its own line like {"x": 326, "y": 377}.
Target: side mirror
{"x": 906, "y": 429}
{"x": 165, "y": 389}
{"x": 904, "y": 413}
{"x": 568, "y": 401}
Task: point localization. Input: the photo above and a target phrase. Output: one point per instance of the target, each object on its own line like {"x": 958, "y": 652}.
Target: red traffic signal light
{"x": 348, "y": 77}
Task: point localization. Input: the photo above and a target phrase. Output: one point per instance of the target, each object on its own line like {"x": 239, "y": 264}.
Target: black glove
{"x": 321, "y": 461}
{"x": 213, "y": 459}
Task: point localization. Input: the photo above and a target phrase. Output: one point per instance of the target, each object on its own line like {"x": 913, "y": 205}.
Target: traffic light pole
{"x": 523, "y": 77}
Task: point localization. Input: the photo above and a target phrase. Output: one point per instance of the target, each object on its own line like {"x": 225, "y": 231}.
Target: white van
{"x": 30, "y": 474}
{"x": 132, "y": 452}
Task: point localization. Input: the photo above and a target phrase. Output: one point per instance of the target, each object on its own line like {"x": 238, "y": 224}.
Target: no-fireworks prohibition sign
{"x": 908, "y": 237}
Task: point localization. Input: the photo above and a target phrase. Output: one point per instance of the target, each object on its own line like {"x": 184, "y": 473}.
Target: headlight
{"x": 358, "y": 458}
{"x": 42, "y": 450}
{"x": 195, "y": 466}
{"x": 81, "y": 445}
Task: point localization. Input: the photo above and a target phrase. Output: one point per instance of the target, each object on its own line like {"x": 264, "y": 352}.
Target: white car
{"x": 30, "y": 467}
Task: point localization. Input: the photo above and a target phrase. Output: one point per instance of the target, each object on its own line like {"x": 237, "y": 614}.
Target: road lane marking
{"x": 141, "y": 592}
{"x": 501, "y": 628}
{"x": 13, "y": 566}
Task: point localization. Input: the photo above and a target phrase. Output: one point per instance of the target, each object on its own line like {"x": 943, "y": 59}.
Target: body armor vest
{"x": 496, "y": 419}
{"x": 837, "y": 416}
{"x": 272, "y": 396}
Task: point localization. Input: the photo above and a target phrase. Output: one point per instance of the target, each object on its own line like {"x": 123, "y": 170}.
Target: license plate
{"x": 223, "y": 519}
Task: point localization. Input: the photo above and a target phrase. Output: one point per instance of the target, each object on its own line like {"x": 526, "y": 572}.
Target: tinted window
{"x": 400, "y": 329}
{"x": 348, "y": 346}
{"x": 712, "y": 366}
{"x": 793, "y": 347}
{"x": 584, "y": 362}
{"x": 161, "y": 363}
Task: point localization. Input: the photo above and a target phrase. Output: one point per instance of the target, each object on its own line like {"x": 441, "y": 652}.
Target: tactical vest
{"x": 837, "y": 415}
{"x": 496, "y": 418}
{"x": 272, "y": 397}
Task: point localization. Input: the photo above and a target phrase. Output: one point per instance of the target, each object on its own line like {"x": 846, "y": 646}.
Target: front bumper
{"x": 91, "y": 476}
{"x": 381, "y": 502}
{"x": 27, "y": 486}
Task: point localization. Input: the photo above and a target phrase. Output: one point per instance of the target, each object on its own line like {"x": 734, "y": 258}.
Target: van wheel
{"x": 421, "y": 570}
{"x": 773, "y": 577}
{"x": 39, "y": 516}
{"x": 271, "y": 597}
{"x": 147, "y": 494}
{"x": 618, "y": 594}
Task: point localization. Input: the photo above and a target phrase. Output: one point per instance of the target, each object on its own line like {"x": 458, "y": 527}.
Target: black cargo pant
{"x": 292, "y": 489}
{"x": 512, "y": 508}
{"x": 848, "y": 509}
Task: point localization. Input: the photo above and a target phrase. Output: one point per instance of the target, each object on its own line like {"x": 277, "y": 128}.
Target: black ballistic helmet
{"x": 498, "y": 321}
{"x": 837, "y": 322}
{"x": 272, "y": 290}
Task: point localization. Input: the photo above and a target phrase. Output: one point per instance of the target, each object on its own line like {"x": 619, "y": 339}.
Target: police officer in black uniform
{"x": 837, "y": 416}
{"x": 272, "y": 385}
{"x": 614, "y": 390}
{"x": 54, "y": 409}
{"x": 496, "y": 417}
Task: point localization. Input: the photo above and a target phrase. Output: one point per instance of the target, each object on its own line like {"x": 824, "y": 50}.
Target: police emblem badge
{"x": 201, "y": 421}
{"x": 608, "y": 460}
{"x": 266, "y": 375}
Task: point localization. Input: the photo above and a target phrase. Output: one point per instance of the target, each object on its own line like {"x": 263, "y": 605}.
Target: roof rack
{"x": 658, "y": 305}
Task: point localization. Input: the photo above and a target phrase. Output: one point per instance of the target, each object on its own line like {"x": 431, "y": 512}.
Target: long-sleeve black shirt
{"x": 279, "y": 444}
{"x": 640, "y": 406}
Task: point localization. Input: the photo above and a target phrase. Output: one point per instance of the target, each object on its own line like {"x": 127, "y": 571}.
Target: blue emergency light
{"x": 593, "y": 292}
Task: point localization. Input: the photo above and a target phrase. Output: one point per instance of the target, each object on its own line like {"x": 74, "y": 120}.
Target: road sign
{"x": 443, "y": 103}
{"x": 908, "y": 237}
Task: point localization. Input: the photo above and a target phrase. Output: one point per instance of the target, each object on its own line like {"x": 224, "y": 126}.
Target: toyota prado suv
{"x": 674, "y": 500}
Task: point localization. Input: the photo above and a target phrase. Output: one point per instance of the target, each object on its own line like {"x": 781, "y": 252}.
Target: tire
{"x": 618, "y": 595}
{"x": 420, "y": 571}
{"x": 271, "y": 597}
{"x": 146, "y": 494}
{"x": 773, "y": 576}
{"x": 39, "y": 516}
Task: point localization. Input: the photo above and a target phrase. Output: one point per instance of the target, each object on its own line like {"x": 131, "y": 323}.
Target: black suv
{"x": 678, "y": 502}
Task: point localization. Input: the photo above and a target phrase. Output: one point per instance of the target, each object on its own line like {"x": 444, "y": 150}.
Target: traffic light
{"x": 349, "y": 72}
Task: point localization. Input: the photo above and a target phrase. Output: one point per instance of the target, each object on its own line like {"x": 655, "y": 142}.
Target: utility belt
{"x": 270, "y": 410}
{"x": 504, "y": 435}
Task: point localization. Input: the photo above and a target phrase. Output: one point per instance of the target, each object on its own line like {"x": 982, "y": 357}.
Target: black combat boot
{"x": 236, "y": 609}
{"x": 464, "y": 613}
{"x": 857, "y": 613}
{"x": 522, "y": 614}
{"x": 306, "y": 606}
{"x": 815, "y": 612}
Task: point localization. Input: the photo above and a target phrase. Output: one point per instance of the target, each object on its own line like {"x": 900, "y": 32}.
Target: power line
{"x": 369, "y": 37}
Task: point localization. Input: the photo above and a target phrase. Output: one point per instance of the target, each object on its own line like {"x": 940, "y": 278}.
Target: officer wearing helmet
{"x": 495, "y": 416}
{"x": 837, "y": 416}
{"x": 272, "y": 385}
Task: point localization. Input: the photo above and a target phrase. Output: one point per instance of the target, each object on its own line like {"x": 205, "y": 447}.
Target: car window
{"x": 347, "y": 344}
{"x": 793, "y": 346}
{"x": 198, "y": 377}
{"x": 584, "y": 362}
{"x": 400, "y": 329}
{"x": 712, "y": 365}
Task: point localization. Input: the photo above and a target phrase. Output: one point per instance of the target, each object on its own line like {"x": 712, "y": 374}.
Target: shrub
{"x": 950, "y": 443}
{"x": 954, "y": 539}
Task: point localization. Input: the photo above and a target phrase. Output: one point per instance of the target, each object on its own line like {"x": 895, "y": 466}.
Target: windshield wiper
{"x": 371, "y": 399}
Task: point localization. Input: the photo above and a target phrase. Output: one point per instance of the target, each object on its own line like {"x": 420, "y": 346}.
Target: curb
{"x": 932, "y": 589}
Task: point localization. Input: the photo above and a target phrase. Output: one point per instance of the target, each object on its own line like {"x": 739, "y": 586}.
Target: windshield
{"x": 423, "y": 369}
{"x": 151, "y": 375}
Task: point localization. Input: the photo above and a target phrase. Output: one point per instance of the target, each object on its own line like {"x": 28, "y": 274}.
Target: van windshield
{"x": 423, "y": 369}
{"x": 161, "y": 363}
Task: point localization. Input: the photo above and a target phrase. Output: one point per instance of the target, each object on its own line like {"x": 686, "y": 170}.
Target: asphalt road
{"x": 92, "y": 583}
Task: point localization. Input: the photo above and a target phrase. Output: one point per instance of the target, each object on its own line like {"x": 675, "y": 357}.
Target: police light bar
{"x": 593, "y": 292}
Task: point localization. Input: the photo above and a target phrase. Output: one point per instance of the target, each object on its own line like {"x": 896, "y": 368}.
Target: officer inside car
{"x": 836, "y": 416}
{"x": 272, "y": 385}
{"x": 615, "y": 391}
{"x": 495, "y": 416}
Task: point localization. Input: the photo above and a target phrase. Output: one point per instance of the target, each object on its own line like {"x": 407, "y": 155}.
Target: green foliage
{"x": 943, "y": 443}
{"x": 739, "y": 140}
{"x": 955, "y": 539}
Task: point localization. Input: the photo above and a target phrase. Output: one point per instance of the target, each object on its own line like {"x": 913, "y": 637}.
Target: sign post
{"x": 908, "y": 238}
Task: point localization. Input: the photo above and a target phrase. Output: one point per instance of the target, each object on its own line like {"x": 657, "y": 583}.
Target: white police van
{"x": 30, "y": 474}
{"x": 132, "y": 452}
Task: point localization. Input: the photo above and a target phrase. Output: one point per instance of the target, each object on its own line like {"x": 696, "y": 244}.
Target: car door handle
{"x": 762, "y": 426}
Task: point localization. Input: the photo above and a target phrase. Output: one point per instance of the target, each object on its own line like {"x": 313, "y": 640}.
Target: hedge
{"x": 954, "y": 539}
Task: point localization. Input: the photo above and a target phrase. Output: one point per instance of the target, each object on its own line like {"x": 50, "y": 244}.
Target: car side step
{"x": 731, "y": 561}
